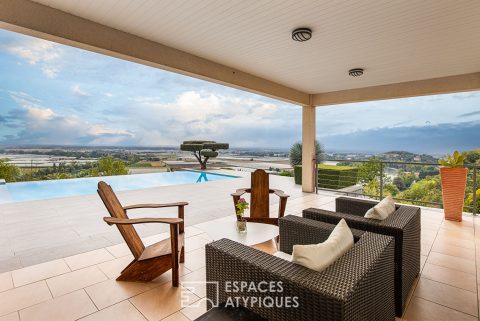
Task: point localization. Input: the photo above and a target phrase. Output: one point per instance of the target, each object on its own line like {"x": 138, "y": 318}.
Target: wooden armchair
{"x": 151, "y": 261}
{"x": 260, "y": 199}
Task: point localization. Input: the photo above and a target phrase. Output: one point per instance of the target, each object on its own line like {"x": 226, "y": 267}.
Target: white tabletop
{"x": 256, "y": 232}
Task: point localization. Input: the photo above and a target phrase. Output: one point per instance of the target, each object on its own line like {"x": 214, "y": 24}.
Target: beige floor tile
{"x": 423, "y": 260}
{"x": 452, "y": 262}
{"x": 119, "y": 250}
{"x": 191, "y": 231}
{"x": 448, "y": 240}
{"x": 110, "y": 292}
{"x": 113, "y": 268}
{"x": 10, "y": 317}
{"x": 423, "y": 310}
{"x": 195, "y": 310}
{"x": 454, "y": 251}
{"x": 206, "y": 237}
{"x": 155, "y": 238}
{"x": 163, "y": 301}
{"x": 23, "y": 297}
{"x": 6, "y": 281}
{"x": 80, "y": 261}
{"x": 425, "y": 247}
{"x": 452, "y": 277}
{"x": 68, "y": 307}
{"x": 177, "y": 316}
{"x": 75, "y": 280}
{"x": 195, "y": 282}
{"x": 194, "y": 242}
{"x": 452, "y": 225}
{"x": 195, "y": 260}
{"x": 39, "y": 272}
{"x": 123, "y": 311}
{"x": 447, "y": 295}
{"x": 466, "y": 234}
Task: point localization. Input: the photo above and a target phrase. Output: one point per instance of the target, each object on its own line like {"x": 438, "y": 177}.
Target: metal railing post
{"x": 381, "y": 181}
{"x": 316, "y": 176}
{"x": 474, "y": 209}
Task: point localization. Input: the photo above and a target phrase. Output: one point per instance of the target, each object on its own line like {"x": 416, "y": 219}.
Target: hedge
{"x": 331, "y": 176}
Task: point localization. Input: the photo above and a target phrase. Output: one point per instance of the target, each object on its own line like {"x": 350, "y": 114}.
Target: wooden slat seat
{"x": 151, "y": 261}
{"x": 163, "y": 247}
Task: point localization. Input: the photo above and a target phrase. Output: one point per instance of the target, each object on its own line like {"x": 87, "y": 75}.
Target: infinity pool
{"x": 39, "y": 190}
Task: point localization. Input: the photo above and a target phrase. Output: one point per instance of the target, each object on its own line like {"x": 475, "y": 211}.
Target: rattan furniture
{"x": 403, "y": 224}
{"x": 358, "y": 286}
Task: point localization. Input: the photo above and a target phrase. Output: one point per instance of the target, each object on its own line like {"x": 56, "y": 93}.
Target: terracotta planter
{"x": 454, "y": 182}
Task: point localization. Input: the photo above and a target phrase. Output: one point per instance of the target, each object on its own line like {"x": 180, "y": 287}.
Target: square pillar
{"x": 308, "y": 148}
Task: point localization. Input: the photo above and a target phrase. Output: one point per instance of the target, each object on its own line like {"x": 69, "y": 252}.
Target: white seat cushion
{"x": 319, "y": 256}
{"x": 283, "y": 255}
{"x": 382, "y": 210}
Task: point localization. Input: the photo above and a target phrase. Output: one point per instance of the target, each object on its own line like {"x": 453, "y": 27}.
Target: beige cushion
{"x": 319, "y": 256}
{"x": 382, "y": 210}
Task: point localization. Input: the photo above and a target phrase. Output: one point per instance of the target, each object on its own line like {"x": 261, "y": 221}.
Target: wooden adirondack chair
{"x": 260, "y": 199}
{"x": 151, "y": 261}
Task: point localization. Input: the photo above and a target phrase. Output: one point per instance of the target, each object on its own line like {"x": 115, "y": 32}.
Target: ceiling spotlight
{"x": 302, "y": 34}
{"x": 355, "y": 72}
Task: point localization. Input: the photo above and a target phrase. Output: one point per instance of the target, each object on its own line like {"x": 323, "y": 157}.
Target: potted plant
{"x": 240, "y": 208}
{"x": 454, "y": 181}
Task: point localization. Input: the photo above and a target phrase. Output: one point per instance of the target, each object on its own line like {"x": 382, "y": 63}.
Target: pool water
{"x": 39, "y": 190}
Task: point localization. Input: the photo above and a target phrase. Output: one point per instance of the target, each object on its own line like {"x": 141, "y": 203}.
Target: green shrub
{"x": 331, "y": 176}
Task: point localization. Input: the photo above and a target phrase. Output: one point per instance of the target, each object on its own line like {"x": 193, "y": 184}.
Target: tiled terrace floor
{"x": 83, "y": 286}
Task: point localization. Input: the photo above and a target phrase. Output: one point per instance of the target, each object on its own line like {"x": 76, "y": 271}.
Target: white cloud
{"x": 42, "y": 53}
{"x": 203, "y": 115}
{"x": 42, "y": 125}
{"x": 79, "y": 91}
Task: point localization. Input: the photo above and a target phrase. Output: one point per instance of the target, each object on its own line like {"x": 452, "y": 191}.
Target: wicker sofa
{"x": 358, "y": 286}
{"x": 403, "y": 224}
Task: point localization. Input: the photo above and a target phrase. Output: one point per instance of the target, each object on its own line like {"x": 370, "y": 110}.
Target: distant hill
{"x": 403, "y": 156}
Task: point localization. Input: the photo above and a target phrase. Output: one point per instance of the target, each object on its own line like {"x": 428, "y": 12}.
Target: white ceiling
{"x": 395, "y": 41}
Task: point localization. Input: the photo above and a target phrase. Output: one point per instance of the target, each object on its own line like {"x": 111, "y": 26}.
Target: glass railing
{"x": 407, "y": 182}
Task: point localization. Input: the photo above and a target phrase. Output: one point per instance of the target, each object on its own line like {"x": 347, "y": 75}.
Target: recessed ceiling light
{"x": 355, "y": 72}
{"x": 302, "y": 34}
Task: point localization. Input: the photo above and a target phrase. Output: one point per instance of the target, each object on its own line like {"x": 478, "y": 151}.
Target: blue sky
{"x": 54, "y": 94}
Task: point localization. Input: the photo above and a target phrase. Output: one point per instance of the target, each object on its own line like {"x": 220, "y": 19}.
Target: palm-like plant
{"x": 296, "y": 153}
{"x": 453, "y": 162}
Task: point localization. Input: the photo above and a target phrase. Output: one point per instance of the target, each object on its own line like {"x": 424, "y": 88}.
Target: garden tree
{"x": 427, "y": 190}
{"x": 296, "y": 153}
{"x": 428, "y": 170}
{"x": 108, "y": 166}
{"x": 397, "y": 181}
{"x": 369, "y": 176}
{"x": 370, "y": 171}
{"x": 472, "y": 156}
{"x": 404, "y": 180}
{"x": 203, "y": 150}
{"x": 469, "y": 201}
{"x": 8, "y": 172}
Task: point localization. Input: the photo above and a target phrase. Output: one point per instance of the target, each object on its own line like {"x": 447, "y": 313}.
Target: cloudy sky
{"x": 54, "y": 94}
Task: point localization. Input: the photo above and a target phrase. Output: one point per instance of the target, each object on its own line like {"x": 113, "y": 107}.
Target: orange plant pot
{"x": 454, "y": 182}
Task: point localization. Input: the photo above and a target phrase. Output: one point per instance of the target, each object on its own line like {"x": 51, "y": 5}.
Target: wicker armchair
{"x": 404, "y": 225}
{"x": 358, "y": 286}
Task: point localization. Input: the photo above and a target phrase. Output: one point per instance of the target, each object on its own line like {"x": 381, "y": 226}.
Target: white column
{"x": 308, "y": 148}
